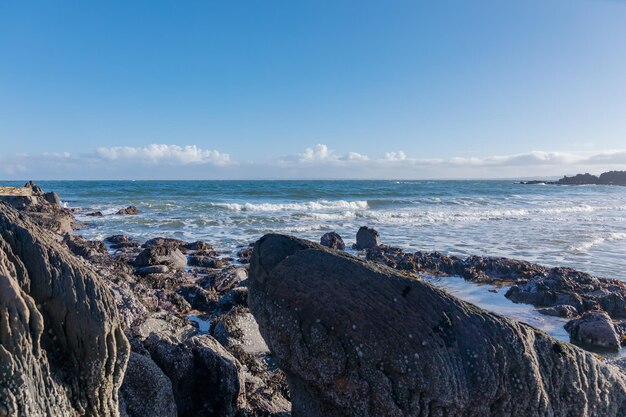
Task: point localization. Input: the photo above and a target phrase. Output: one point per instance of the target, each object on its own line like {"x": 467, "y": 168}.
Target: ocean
{"x": 578, "y": 226}
{"x": 583, "y": 227}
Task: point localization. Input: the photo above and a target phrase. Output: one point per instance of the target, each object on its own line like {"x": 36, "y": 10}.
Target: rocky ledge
{"x": 606, "y": 178}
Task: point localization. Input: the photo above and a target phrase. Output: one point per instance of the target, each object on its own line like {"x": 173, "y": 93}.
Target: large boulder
{"x": 359, "y": 339}
{"x": 594, "y": 329}
{"x": 128, "y": 211}
{"x": 161, "y": 255}
{"x": 62, "y": 348}
{"x": 367, "y": 238}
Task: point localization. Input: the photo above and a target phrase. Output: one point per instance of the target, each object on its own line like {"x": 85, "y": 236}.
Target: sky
{"x": 318, "y": 89}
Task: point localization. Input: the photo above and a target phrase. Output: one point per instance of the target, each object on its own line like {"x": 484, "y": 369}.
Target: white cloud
{"x": 164, "y": 154}
{"x": 395, "y": 156}
{"x": 318, "y": 153}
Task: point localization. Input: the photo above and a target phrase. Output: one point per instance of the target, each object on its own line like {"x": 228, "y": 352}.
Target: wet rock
{"x": 332, "y": 240}
{"x": 161, "y": 255}
{"x": 562, "y": 310}
{"x": 87, "y": 249}
{"x": 206, "y": 379}
{"x": 63, "y": 351}
{"x": 118, "y": 239}
{"x": 146, "y": 390}
{"x": 95, "y": 214}
{"x": 358, "y": 339}
{"x": 594, "y": 329}
{"x": 52, "y": 198}
{"x": 128, "y": 211}
{"x": 239, "y": 328}
{"x": 367, "y": 238}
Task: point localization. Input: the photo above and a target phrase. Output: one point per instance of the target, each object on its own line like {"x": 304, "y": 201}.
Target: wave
{"x": 583, "y": 246}
{"x": 323, "y": 205}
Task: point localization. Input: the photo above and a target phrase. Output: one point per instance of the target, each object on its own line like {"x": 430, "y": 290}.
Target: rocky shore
{"x": 606, "y": 178}
{"x": 285, "y": 327}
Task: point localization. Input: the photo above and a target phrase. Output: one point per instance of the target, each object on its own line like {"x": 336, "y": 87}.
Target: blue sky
{"x": 323, "y": 89}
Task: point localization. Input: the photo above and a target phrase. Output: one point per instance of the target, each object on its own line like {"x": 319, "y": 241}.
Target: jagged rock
{"x": 119, "y": 239}
{"x": 238, "y": 327}
{"x": 206, "y": 379}
{"x": 332, "y": 240}
{"x": 146, "y": 390}
{"x": 236, "y": 297}
{"x": 358, "y": 339}
{"x": 367, "y": 238}
{"x": 87, "y": 249}
{"x": 562, "y": 310}
{"x": 63, "y": 351}
{"x": 52, "y": 198}
{"x": 161, "y": 255}
{"x": 94, "y": 214}
{"x": 128, "y": 211}
{"x": 594, "y": 329}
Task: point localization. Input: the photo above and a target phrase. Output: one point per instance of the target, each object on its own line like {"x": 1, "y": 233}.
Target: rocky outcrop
{"x": 63, "y": 351}
{"x": 606, "y": 178}
{"x": 530, "y": 283}
{"x": 358, "y": 339}
{"x": 332, "y": 240}
{"x": 128, "y": 211}
{"x": 367, "y": 238}
{"x": 82, "y": 247}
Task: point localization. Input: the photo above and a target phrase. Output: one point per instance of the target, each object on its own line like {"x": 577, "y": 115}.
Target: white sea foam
{"x": 610, "y": 237}
{"x": 304, "y": 206}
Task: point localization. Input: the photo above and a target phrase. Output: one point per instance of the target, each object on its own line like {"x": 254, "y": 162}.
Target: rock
{"x": 161, "y": 255}
{"x": 367, "y": 238}
{"x": 37, "y": 190}
{"x": 238, "y": 327}
{"x": 153, "y": 269}
{"x": 244, "y": 255}
{"x": 146, "y": 390}
{"x": 119, "y": 239}
{"x": 128, "y": 211}
{"x": 594, "y": 329}
{"x": 87, "y": 249}
{"x": 236, "y": 297}
{"x": 62, "y": 348}
{"x": 206, "y": 379}
{"x": 228, "y": 278}
{"x": 165, "y": 241}
{"x": 562, "y": 310}
{"x": 52, "y": 198}
{"x": 198, "y": 298}
{"x": 199, "y": 245}
{"x": 95, "y": 214}
{"x": 207, "y": 261}
{"x": 332, "y": 240}
{"x": 359, "y": 339}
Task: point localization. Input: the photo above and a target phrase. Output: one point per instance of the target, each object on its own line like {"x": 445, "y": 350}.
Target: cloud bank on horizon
{"x": 168, "y": 161}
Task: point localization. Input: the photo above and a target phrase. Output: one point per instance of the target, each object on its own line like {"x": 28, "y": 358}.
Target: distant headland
{"x": 606, "y": 178}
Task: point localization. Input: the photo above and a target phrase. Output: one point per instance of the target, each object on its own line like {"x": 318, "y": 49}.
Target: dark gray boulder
{"x": 359, "y": 339}
{"x": 332, "y": 240}
{"x": 367, "y": 238}
{"x": 594, "y": 329}
{"x": 561, "y": 310}
{"x": 62, "y": 348}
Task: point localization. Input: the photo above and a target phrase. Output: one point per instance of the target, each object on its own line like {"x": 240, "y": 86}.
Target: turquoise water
{"x": 582, "y": 227}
